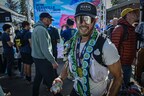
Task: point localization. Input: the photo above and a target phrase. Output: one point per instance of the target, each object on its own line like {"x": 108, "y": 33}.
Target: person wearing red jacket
{"x": 126, "y": 45}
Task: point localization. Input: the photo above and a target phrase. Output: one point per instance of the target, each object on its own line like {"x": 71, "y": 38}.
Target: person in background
{"x": 89, "y": 73}
{"x": 55, "y": 38}
{"x": 8, "y": 51}
{"x": 25, "y": 50}
{"x": 17, "y": 50}
{"x": 140, "y": 64}
{"x": 69, "y": 31}
{"x": 44, "y": 60}
{"x": 125, "y": 41}
{"x": 109, "y": 24}
{"x": 109, "y": 30}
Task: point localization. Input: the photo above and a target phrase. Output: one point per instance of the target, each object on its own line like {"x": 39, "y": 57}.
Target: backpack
{"x": 19, "y": 39}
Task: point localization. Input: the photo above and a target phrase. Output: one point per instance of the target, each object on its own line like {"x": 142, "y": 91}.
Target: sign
{"x": 57, "y": 8}
{"x": 5, "y": 17}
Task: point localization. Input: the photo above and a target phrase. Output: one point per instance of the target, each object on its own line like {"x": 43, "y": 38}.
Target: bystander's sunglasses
{"x": 86, "y": 19}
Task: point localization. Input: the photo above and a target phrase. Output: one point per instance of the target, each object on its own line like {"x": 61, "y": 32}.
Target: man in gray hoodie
{"x": 42, "y": 53}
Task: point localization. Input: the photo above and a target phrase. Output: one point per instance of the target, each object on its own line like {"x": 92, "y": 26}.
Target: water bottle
{"x": 57, "y": 86}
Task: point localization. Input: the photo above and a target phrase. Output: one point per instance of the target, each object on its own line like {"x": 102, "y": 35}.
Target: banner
{"x": 59, "y": 9}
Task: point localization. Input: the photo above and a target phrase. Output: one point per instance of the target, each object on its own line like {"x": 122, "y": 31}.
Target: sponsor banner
{"x": 59, "y": 9}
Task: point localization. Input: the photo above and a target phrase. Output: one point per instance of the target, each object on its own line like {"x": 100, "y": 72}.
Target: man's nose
{"x": 83, "y": 22}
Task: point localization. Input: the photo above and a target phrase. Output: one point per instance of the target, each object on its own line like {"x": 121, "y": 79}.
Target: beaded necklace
{"x": 83, "y": 70}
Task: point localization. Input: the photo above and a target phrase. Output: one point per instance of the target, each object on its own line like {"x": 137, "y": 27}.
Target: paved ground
{"x": 19, "y": 87}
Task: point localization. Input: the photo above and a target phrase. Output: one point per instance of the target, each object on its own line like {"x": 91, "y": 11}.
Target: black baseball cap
{"x": 86, "y": 8}
{"x": 46, "y": 15}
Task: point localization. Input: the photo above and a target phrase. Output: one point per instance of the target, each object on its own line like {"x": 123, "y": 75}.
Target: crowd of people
{"x": 100, "y": 63}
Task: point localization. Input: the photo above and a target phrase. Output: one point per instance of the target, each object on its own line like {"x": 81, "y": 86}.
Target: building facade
{"x": 116, "y": 9}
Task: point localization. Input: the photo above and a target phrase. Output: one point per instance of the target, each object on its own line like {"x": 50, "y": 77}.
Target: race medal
{"x": 80, "y": 72}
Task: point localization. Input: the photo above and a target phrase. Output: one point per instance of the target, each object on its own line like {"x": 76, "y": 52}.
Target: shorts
{"x": 26, "y": 58}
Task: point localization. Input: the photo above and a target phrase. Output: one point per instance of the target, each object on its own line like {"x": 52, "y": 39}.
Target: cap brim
{"x": 135, "y": 10}
{"x": 86, "y": 14}
{"x": 52, "y": 19}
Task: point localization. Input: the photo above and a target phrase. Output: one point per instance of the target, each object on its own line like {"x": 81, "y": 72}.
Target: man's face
{"x": 133, "y": 16}
{"x": 28, "y": 27}
{"x": 46, "y": 21}
{"x": 9, "y": 30}
{"x": 85, "y": 25}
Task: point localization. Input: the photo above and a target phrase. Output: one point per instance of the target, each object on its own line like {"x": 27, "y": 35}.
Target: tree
{"x": 23, "y": 9}
{"x": 114, "y": 2}
{"x": 12, "y": 4}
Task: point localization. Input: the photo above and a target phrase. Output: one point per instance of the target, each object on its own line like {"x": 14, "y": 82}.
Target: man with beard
{"x": 90, "y": 75}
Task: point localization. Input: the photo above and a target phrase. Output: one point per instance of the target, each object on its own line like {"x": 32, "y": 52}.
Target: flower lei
{"x": 83, "y": 72}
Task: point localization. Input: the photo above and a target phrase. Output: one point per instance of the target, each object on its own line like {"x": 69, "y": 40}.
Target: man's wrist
{"x": 61, "y": 78}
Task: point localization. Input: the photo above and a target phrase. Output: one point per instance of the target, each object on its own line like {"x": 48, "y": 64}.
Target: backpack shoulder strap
{"x": 99, "y": 46}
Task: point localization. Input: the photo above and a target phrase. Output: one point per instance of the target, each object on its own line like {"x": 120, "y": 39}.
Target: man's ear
{"x": 96, "y": 19}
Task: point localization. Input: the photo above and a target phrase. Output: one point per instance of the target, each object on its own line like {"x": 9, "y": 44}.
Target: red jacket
{"x": 127, "y": 48}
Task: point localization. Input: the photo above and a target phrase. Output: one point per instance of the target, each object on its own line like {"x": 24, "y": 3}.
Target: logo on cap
{"x": 85, "y": 7}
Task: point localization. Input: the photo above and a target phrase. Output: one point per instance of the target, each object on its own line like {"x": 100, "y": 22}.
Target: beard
{"x": 87, "y": 32}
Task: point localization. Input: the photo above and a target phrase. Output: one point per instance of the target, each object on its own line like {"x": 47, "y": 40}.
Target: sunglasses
{"x": 86, "y": 19}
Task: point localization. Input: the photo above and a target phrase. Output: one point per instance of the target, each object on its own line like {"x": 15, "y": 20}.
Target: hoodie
{"x": 41, "y": 43}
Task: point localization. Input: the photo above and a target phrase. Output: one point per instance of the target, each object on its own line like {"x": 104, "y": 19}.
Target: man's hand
{"x": 58, "y": 80}
{"x": 55, "y": 65}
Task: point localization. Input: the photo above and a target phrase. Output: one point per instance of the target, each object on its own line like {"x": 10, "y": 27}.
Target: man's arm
{"x": 115, "y": 70}
{"x": 64, "y": 73}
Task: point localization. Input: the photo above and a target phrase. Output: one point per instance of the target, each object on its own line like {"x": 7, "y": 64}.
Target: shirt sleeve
{"x": 110, "y": 53}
